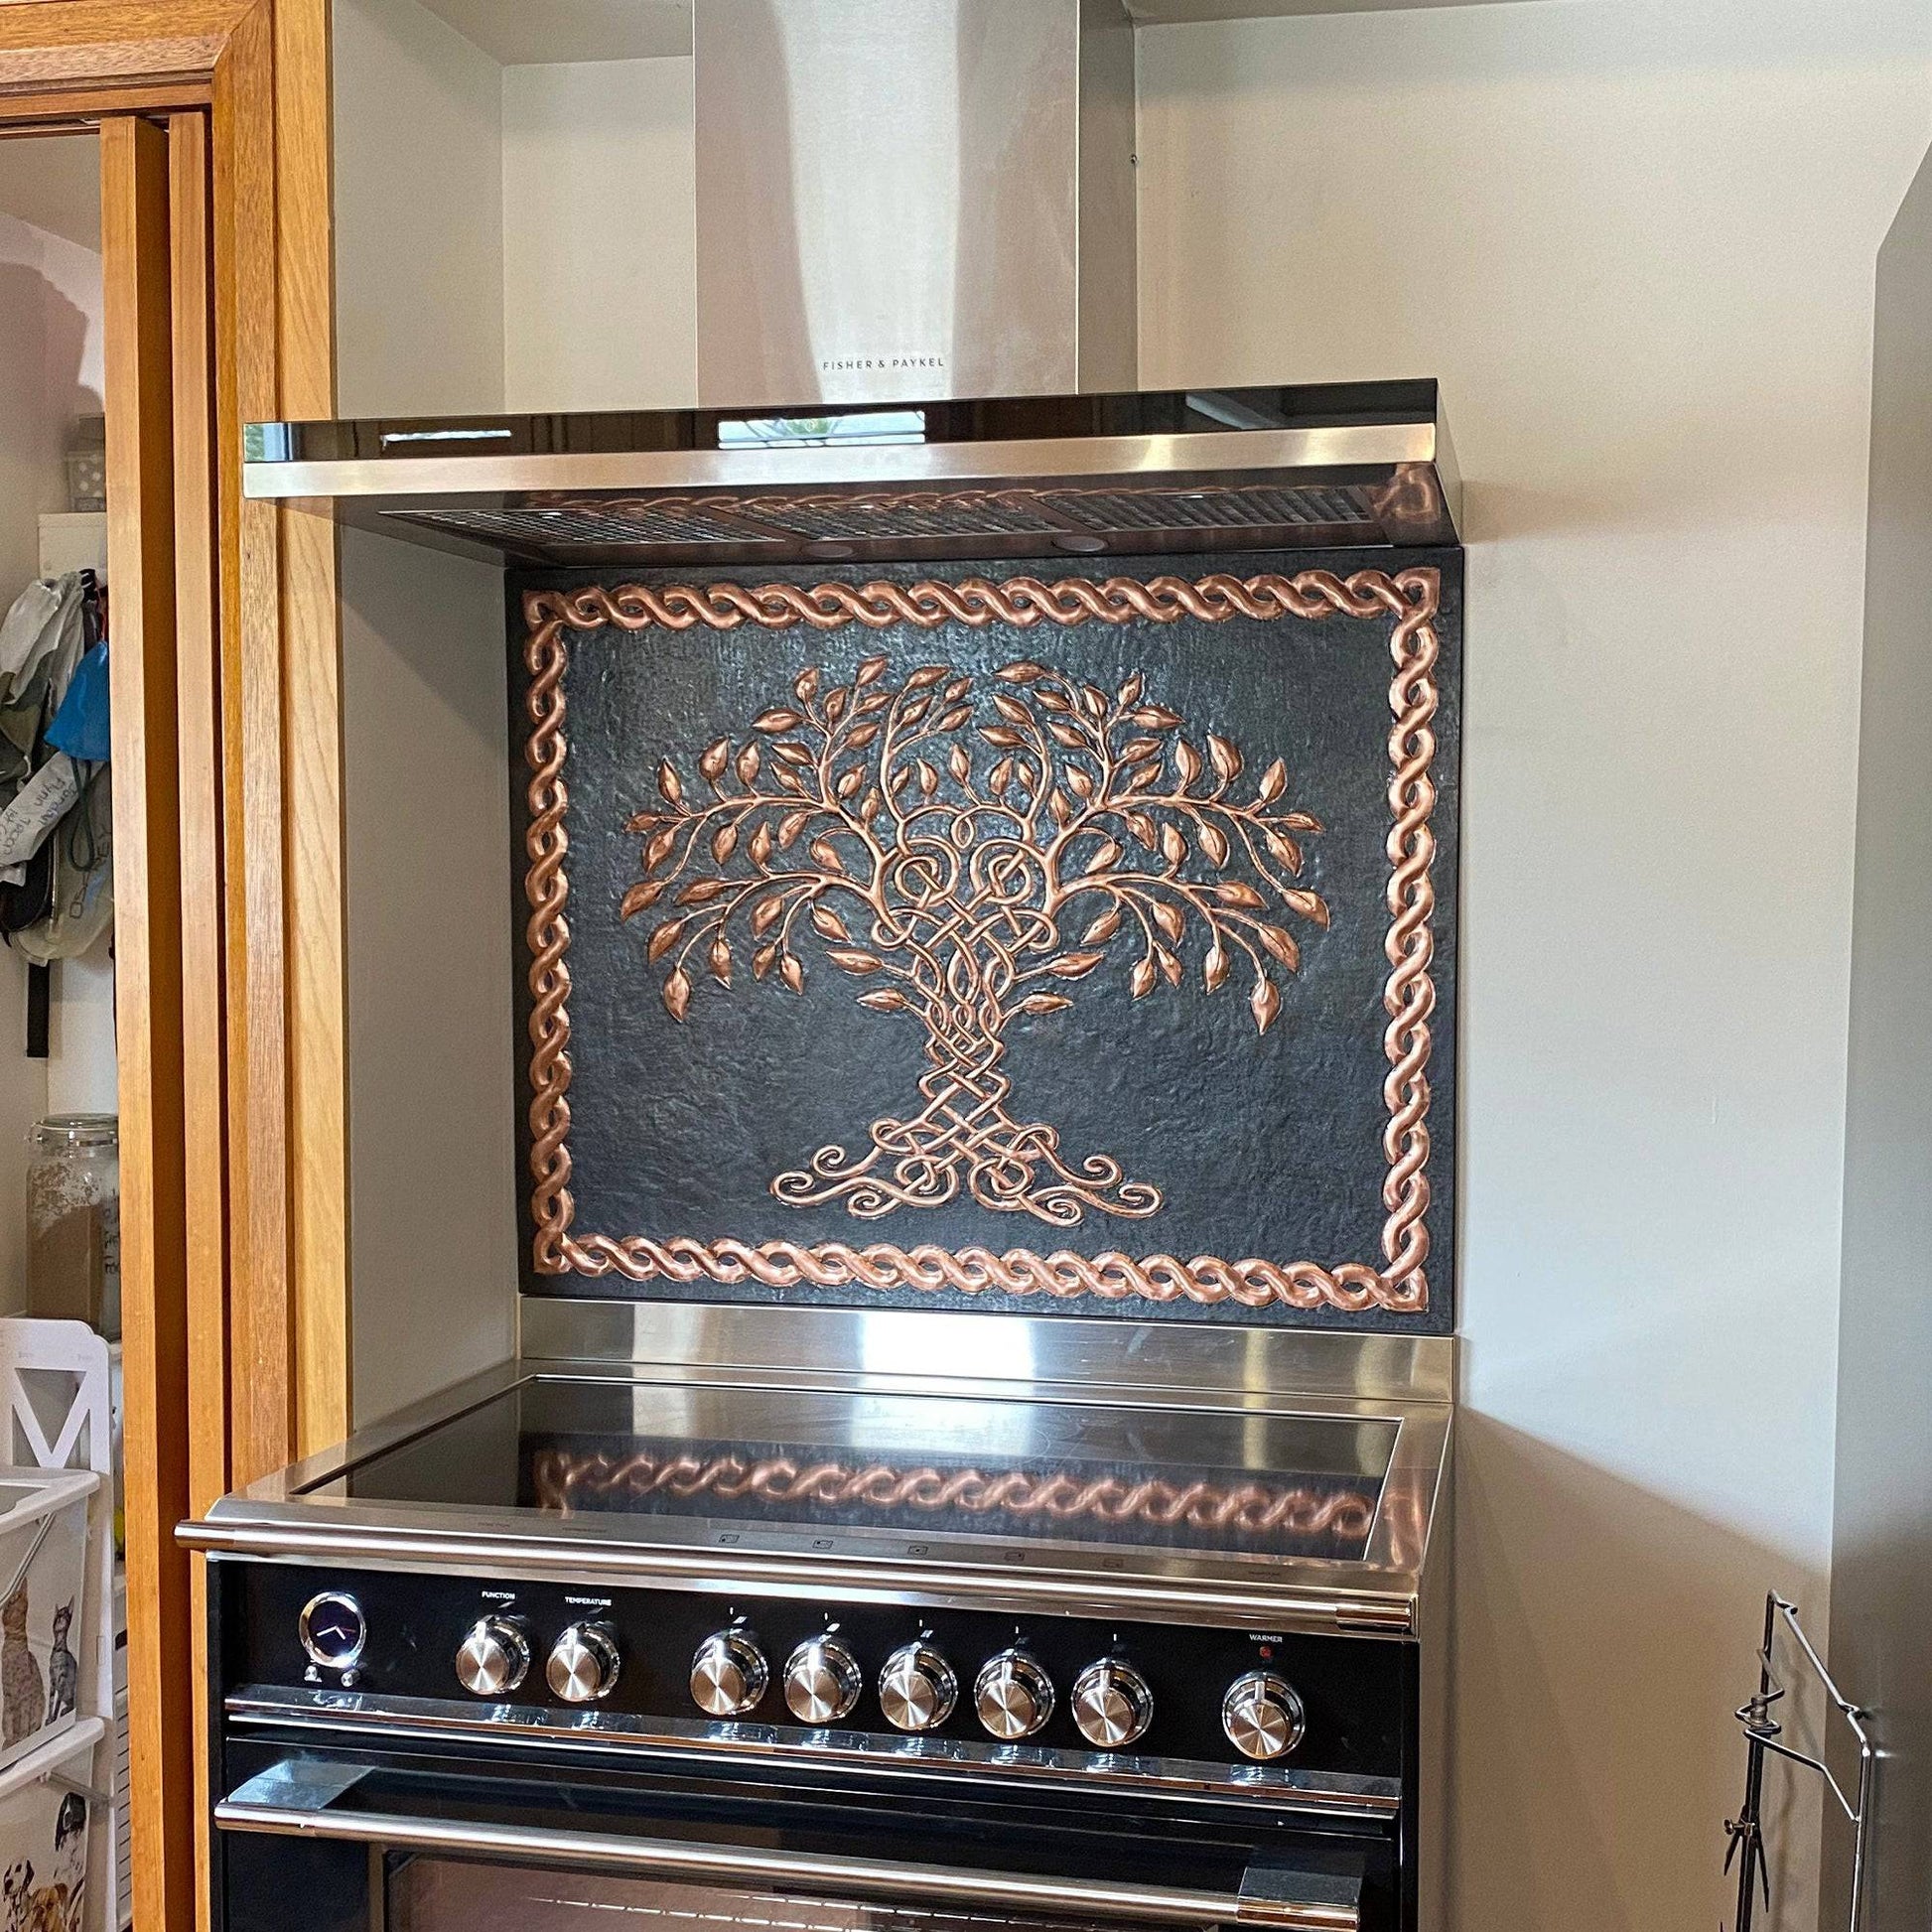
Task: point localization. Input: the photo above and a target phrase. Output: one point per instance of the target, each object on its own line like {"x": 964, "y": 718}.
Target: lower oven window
{"x": 450, "y": 1896}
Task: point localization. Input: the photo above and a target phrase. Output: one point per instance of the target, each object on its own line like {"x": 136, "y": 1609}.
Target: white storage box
{"x": 44, "y": 1855}
{"x": 43, "y": 1604}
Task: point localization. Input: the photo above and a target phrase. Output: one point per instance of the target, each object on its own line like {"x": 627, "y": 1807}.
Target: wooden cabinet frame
{"x": 215, "y": 123}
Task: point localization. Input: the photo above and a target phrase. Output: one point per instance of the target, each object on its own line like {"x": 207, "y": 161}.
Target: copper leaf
{"x": 1264, "y": 1002}
{"x": 640, "y": 897}
{"x": 677, "y": 995}
{"x": 1077, "y": 965}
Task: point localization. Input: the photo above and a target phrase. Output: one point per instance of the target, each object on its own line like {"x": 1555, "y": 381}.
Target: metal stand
{"x": 1762, "y": 1734}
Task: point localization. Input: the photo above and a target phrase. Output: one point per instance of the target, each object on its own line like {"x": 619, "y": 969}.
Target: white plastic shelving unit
{"x": 56, "y": 1380}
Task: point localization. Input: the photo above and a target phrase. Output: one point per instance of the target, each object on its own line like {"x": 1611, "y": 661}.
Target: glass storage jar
{"x": 74, "y": 1220}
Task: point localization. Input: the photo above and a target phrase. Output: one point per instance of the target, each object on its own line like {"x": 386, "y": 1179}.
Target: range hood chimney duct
{"x": 902, "y": 200}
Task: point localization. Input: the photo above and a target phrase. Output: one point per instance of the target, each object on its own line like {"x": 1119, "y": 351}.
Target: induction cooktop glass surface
{"x": 950, "y": 1467}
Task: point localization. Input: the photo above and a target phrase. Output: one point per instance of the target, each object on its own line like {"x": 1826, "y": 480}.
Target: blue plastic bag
{"x": 81, "y": 725}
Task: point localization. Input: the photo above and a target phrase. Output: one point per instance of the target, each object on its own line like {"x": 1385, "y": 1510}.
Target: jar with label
{"x": 73, "y": 1221}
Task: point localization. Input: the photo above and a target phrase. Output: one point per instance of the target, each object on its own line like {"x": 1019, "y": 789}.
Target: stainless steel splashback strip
{"x": 352, "y": 1714}
{"x": 1124, "y": 1357}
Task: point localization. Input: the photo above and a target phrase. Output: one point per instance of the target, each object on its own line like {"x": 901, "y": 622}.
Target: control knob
{"x": 584, "y": 1664}
{"x": 729, "y": 1674}
{"x": 1013, "y": 1696}
{"x": 1112, "y": 1703}
{"x": 917, "y": 1689}
{"x": 493, "y": 1658}
{"x": 1263, "y": 1716}
{"x": 822, "y": 1681}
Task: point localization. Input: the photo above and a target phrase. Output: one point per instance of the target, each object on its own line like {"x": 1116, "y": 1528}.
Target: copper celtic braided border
{"x": 1246, "y": 1509}
{"x": 1400, "y": 1285}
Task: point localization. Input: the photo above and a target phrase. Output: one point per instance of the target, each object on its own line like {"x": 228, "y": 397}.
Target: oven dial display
{"x": 334, "y": 1630}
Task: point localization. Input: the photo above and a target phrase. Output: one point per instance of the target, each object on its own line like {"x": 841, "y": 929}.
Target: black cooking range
{"x": 955, "y": 1620}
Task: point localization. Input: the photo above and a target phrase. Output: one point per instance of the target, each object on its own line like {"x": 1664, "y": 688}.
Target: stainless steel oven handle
{"x": 1269, "y": 1905}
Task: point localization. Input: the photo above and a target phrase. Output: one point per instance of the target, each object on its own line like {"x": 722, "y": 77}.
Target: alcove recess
{"x": 514, "y": 236}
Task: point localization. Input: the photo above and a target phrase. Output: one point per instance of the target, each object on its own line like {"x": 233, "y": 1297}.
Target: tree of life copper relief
{"x": 1001, "y": 863}
{"x": 976, "y": 850}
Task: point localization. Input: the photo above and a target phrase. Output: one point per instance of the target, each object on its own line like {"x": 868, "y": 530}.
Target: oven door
{"x": 344, "y": 1843}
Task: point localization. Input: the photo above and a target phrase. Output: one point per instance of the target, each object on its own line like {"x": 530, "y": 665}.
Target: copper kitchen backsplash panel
{"x": 1018, "y": 941}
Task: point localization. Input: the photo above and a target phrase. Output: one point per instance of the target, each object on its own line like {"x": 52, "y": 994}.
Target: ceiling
{"x": 52, "y": 181}
{"x": 516, "y": 33}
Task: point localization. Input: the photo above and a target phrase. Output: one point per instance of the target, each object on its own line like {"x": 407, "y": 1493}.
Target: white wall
{"x": 419, "y": 270}
{"x": 1882, "y": 1533}
{"x": 419, "y": 214}
{"x": 600, "y": 237}
{"x": 1636, "y": 241}
{"x": 51, "y": 370}
{"x": 431, "y": 971}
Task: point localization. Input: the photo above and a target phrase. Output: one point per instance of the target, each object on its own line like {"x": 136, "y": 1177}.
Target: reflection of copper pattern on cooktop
{"x": 563, "y": 1480}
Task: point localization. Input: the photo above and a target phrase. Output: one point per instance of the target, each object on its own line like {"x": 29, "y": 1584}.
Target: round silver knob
{"x": 584, "y": 1664}
{"x": 729, "y": 1674}
{"x": 917, "y": 1689}
{"x": 1012, "y": 1696}
{"x": 1263, "y": 1717}
{"x": 1112, "y": 1704}
{"x": 822, "y": 1681}
{"x": 493, "y": 1658}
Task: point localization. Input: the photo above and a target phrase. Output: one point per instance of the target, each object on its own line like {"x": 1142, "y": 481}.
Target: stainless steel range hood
{"x": 903, "y": 206}
{"x": 1344, "y": 466}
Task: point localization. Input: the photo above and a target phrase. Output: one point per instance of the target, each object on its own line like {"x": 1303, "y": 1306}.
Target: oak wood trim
{"x": 262, "y": 1317}
{"x": 26, "y": 107}
{"x": 141, "y": 535}
{"x": 312, "y": 695}
{"x": 198, "y": 736}
{"x": 49, "y": 42}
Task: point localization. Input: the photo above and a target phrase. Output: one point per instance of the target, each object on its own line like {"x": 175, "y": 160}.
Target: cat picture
{"x": 23, "y": 1694}
{"x": 63, "y": 1669}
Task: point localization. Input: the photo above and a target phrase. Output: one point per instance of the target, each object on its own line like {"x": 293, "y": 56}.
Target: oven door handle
{"x": 300, "y": 1799}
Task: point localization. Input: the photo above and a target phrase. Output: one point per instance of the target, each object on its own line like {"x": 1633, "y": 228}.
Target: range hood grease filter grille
{"x": 594, "y": 525}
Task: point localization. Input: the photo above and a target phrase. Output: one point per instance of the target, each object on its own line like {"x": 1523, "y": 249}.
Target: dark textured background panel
{"x": 1266, "y": 1145}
